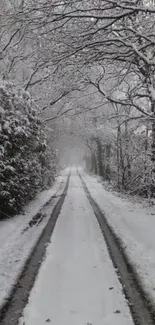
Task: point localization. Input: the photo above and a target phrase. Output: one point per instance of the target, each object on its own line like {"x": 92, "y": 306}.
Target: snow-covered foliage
{"x": 119, "y": 150}
{"x": 25, "y": 162}
{"x": 105, "y": 73}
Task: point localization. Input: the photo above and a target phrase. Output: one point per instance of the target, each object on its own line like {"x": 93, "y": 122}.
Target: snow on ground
{"x": 15, "y": 246}
{"x": 135, "y": 226}
{"x": 77, "y": 283}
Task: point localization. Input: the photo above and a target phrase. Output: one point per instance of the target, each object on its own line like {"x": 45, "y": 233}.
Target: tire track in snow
{"x": 141, "y": 309}
{"x": 12, "y": 309}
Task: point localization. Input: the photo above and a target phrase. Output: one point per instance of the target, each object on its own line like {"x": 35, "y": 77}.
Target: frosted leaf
{"x": 2, "y": 111}
{"x": 9, "y": 168}
{"x": 5, "y": 193}
{"x": 2, "y": 149}
{"x": 6, "y": 127}
{"x": 152, "y": 92}
{"x": 19, "y": 129}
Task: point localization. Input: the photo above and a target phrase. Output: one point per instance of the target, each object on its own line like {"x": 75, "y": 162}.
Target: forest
{"x": 76, "y": 75}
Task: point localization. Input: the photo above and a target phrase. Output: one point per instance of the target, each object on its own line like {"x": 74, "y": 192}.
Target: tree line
{"x": 60, "y": 50}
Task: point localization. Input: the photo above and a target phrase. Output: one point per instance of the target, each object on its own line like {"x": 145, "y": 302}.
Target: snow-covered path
{"x": 16, "y": 244}
{"x": 134, "y": 224}
{"x": 77, "y": 283}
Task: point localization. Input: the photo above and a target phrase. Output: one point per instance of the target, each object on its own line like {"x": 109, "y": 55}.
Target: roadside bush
{"x": 26, "y": 164}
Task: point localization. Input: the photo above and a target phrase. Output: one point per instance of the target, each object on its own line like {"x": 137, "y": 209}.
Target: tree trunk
{"x": 99, "y": 153}
{"x": 153, "y": 151}
{"x": 146, "y": 171}
{"x": 108, "y": 156}
{"x": 121, "y": 160}
{"x": 128, "y": 164}
{"x": 94, "y": 163}
{"x": 119, "y": 152}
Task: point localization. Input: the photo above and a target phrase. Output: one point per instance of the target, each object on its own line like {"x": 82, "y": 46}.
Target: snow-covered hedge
{"x": 25, "y": 163}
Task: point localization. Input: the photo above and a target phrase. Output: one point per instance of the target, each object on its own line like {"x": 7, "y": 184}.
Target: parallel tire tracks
{"x": 141, "y": 309}
{"x": 12, "y": 309}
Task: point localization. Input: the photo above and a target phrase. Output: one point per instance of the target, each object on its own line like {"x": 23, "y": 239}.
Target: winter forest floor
{"x": 77, "y": 282}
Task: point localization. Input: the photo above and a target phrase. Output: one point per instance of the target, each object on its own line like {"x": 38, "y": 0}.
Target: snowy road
{"x": 77, "y": 283}
{"x": 17, "y": 238}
